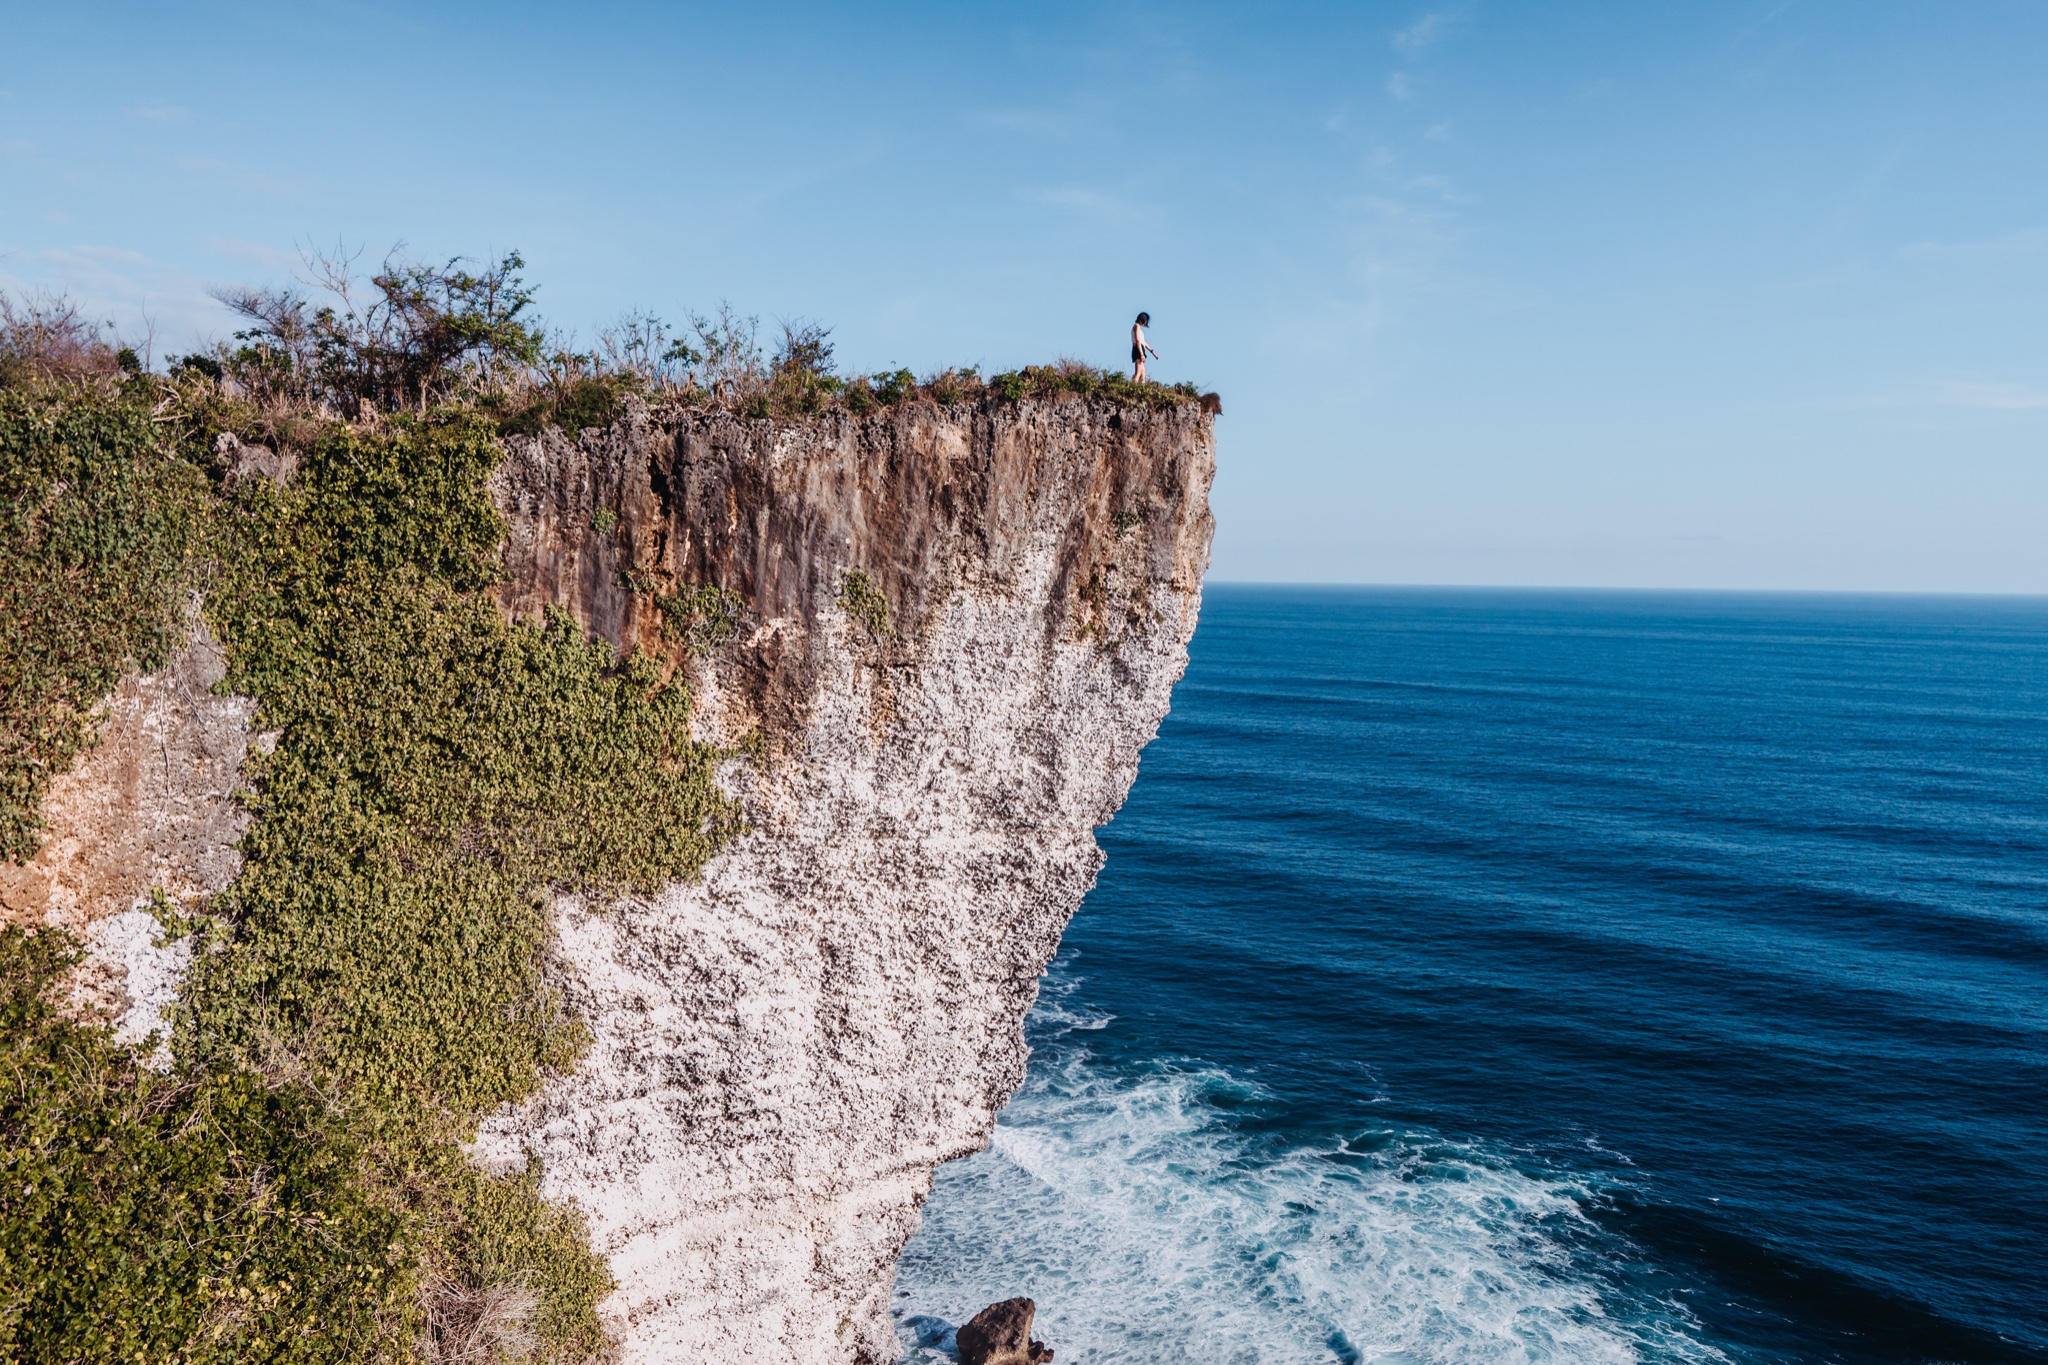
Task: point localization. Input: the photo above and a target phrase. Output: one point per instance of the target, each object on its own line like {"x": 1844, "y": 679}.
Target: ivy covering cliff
{"x": 296, "y": 1184}
{"x": 295, "y": 1188}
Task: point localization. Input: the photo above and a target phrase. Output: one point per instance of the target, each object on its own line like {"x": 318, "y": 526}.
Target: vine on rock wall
{"x": 99, "y": 521}
{"x": 296, "y": 1188}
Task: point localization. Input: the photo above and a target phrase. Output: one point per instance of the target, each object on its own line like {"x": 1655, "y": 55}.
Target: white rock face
{"x": 782, "y": 1054}
{"x": 130, "y": 948}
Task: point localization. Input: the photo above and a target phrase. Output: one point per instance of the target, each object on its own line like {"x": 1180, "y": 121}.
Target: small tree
{"x": 46, "y": 337}
{"x": 805, "y": 352}
{"x": 639, "y": 344}
{"x": 727, "y": 356}
{"x": 412, "y": 335}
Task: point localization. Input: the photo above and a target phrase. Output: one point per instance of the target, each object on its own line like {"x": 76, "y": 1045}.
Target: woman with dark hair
{"x": 1139, "y": 350}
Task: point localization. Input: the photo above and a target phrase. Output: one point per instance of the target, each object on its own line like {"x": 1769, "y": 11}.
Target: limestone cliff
{"x": 935, "y": 640}
{"x": 782, "y": 1054}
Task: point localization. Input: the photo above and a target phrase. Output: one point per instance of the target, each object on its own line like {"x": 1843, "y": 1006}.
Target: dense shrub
{"x": 411, "y": 335}
{"x": 1073, "y": 376}
{"x": 99, "y": 535}
{"x": 47, "y": 338}
{"x": 147, "y": 1217}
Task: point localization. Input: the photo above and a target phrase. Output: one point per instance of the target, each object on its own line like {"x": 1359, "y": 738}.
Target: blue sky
{"x": 1748, "y": 294}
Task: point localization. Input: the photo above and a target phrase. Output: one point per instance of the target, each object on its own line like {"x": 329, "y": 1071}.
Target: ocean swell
{"x": 1152, "y": 1219}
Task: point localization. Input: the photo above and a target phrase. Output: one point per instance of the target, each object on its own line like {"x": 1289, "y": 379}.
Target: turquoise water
{"x": 1501, "y": 976}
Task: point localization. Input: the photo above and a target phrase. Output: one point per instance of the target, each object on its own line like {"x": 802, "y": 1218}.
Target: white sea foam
{"x": 1152, "y": 1224}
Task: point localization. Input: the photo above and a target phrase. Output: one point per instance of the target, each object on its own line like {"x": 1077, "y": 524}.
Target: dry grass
{"x": 468, "y": 1325}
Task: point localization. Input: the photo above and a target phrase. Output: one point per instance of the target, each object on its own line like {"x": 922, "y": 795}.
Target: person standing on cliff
{"x": 1139, "y": 350}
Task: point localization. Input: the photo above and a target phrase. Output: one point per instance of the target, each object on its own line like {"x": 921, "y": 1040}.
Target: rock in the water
{"x": 1000, "y": 1334}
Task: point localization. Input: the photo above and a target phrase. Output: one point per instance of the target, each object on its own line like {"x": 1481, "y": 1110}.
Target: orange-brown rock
{"x": 152, "y": 807}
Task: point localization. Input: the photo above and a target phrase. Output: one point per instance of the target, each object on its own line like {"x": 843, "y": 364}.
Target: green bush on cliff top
{"x": 427, "y": 334}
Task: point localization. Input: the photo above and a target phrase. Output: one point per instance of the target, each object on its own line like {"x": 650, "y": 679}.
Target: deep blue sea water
{"x": 1512, "y": 976}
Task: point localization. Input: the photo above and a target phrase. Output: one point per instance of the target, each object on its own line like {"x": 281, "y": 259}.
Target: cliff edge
{"x": 951, "y": 631}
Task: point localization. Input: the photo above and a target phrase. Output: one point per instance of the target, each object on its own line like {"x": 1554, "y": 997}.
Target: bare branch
{"x": 46, "y": 337}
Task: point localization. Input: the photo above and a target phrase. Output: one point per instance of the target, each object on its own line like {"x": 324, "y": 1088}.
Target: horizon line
{"x": 1336, "y": 585}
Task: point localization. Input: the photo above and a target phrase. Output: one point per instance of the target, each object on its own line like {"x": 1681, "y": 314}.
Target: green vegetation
{"x": 412, "y": 335}
{"x": 439, "y": 766}
{"x": 864, "y": 602}
{"x": 99, "y": 525}
{"x": 699, "y": 616}
{"x": 147, "y": 1217}
{"x": 1072, "y": 376}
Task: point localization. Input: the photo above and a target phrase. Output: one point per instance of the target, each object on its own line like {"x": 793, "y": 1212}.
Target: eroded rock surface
{"x": 151, "y": 807}
{"x": 782, "y": 1054}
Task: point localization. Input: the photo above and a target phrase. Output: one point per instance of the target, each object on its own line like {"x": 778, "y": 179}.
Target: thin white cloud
{"x": 134, "y": 292}
{"x": 1085, "y": 201}
{"x": 244, "y": 181}
{"x": 1746, "y": 33}
{"x": 1969, "y": 395}
{"x": 1400, "y": 86}
{"x": 1427, "y": 31}
{"x": 273, "y": 260}
{"x": 2025, "y": 242}
{"x": 162, "y": 113}
{"x": 1957, "y": 393}
{"x": 1054, "y": 124}
{"x": 739, "y": 211}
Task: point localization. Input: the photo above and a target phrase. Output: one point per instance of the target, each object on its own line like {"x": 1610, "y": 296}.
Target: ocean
{"x": 1499, "y": 976}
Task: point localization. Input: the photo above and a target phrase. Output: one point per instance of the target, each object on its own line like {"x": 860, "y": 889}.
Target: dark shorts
{"x": 1137, "y": 355}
